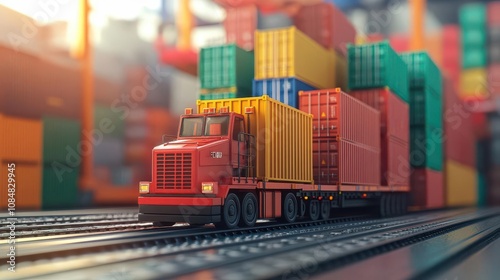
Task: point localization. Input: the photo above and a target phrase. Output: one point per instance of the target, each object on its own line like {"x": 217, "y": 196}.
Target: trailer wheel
{"x": 302, "y": 208}
{"x": 289, "y": 211}
{"x": 325, "y": 209}
{"x": 313, "y": 210}
{"x": 230, "y": 216}
{"x": 248, "y": 210}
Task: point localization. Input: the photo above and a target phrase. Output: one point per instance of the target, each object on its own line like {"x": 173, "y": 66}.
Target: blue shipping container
{"x": 285, "y": 90}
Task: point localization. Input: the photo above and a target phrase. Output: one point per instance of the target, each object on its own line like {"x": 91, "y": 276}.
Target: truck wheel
{"x": 313, "y": 210}
{"x": 289, "y": 209}
{"x": 248, "y": 210}
{"x": 230, "y": 216}
{"x": 325, "y": 209}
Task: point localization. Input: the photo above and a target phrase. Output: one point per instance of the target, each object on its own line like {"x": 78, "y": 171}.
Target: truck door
{"x": 239, "y": 126}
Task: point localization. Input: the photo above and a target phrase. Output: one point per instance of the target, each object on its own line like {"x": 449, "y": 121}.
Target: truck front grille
{"x": 173, "y": 171}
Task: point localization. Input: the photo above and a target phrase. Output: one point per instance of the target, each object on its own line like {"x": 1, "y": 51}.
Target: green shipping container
{"x": 377, "y": 65}
{"x": 426, "y": 147}
{"x": 474, "y": 37}
{"x": 226, "y": 66}
{"x": 474, "y": 57}
{"x": 60, "y": 186}
{"x": 423, "y": 72}
{"x": 105, "y": 118}
{"x": 473, "y": 15}
{"x": 426, "y": 107}
{"x": 60, "y": 136}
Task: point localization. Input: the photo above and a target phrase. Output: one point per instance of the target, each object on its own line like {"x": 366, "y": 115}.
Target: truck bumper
{"x": 193, "y": 210}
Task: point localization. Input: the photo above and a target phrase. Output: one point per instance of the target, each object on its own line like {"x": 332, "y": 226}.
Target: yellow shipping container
{"x": 283, "y": 137}
{"x": 20, "y": 139}
{"x": 461, "y": 184}
{"x": 474, "y": 83}
{"x": 28, "y": 181}
{"x": 282, "y": 53}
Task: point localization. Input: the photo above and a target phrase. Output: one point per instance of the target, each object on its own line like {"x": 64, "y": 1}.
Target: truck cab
{"x": 188, "y": 173}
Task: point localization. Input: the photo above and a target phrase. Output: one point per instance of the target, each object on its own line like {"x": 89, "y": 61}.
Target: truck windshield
{"x": 217, "y": 126}
{"x": 192, "y": 127}
{"x": 201, "y": 126}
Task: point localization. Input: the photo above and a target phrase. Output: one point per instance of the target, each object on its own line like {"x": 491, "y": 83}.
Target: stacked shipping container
{"x": 61, "y": 162}
{"x": 375, "y": 72}
{"x": 452, "y": 54}
{"x": 346, "y": 143}
{"x": 426, "y": 152}
{"x": 20, "y": 144}
{"x": 474, "y": 51}
{"x": 279, "y": 61}
{"x": 327, "y": 25}
{"x": 225, "y": 72}
{"x": 459, "y": 150}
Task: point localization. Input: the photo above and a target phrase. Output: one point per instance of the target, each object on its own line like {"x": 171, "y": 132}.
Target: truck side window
{"x": 239, "y": 126}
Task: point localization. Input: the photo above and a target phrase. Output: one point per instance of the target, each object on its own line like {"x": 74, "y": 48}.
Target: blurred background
{"x": 123, "y": 71}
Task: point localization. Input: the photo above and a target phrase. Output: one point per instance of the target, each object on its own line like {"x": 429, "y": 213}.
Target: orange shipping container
{"x": 28, "y": 178}
{"x": 20, "y": 139}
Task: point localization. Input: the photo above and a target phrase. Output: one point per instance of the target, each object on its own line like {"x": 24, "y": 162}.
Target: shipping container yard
{"x": 250, "y": 139}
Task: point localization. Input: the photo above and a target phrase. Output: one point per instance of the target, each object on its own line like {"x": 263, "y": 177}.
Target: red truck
{"x": 243, "y": 159}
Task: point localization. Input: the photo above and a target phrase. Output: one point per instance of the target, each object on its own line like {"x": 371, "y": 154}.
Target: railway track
{"x": 39, "y": 226}
{"x": 183, "y": 253}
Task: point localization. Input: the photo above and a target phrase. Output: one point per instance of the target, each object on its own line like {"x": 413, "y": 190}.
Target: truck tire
{"x": 249, "y": 210}
{"x": 325, "y": 209}
{"x": 289, "y": 208}
{"x": 230, "y": 216}
{"x": 313, "y": 210}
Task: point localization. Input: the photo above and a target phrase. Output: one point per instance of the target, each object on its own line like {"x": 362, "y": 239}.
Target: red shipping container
{"x": 339, "y": 115}
{"x": 327, "y": 25}
{"x": 394, "y": 112}
{"x": 340, "y": 162}
{"x": 240, "y": 25}
{"x": 494, "y": 13}
{"x": 400, "y": 42}
{"x": 494, "y": 79}
{"x": 481, "y": 128}
{"x": 427, "y": 188}
{"x": 451, "y": 36}
{"x": 395, "y": 165}
{"x": 459, "y": 141}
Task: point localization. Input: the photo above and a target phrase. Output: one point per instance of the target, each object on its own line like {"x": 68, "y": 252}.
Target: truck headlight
{"x": 207, "y": 187}
{"x": 143, "y": 187}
